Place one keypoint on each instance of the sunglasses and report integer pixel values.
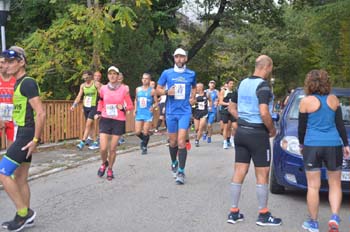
(11, 54)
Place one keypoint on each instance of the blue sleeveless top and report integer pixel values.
(321, 129)
(144, 101)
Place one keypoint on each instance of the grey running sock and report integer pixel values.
(141, 136)
(145, 140)
(182, 158)
(235, 194)
(262, 194)
(173, 153)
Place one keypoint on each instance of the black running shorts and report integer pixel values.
(23, 137)
(252, 143)
(314, 156)
(111, 126)
(89, 112)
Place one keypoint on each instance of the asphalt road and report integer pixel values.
(144, 197)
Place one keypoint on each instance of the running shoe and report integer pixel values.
(228, 144)
(209, 139)
(101, 171)
(89, 142)
(180, 178)
(232, 141)
(18, 223)
(196, 142)
(174, 169)
(121, 140)
(225, 146)
(188, 145)
(81, 145)
(110, 175)
(204, 136)
(266, 219)
(144, 151)
(311, 225)
(94, 146)
(6, 224)
(333, 223)
(235, 217)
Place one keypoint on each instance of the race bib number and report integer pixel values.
(6, 111)
(143, 102)
(112, 110)
(180, 91)
(87, 101)
(201, 105)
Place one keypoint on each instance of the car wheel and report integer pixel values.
(275, 188)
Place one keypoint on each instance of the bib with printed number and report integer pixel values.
(112, 110)
(180, 91)
(6, 110)
(143, 102)
(201, 105)
(87, 101)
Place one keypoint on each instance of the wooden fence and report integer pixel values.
(64, 124)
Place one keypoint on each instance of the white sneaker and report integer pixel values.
(225, 146)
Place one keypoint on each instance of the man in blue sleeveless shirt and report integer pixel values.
(214, 96)
(181, 92)
(252, 106)
(145, 102)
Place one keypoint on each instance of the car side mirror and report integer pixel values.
(275, 117)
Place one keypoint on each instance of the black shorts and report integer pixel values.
(198, 114)
(252, 143)
(23, 137)
(225, 117)
(332, 157)
(89, 112)
(111, 126)
(162, 108)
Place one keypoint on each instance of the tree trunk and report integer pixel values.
(216, 23)
(88, 3)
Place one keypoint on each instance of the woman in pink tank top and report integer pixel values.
(113, 103)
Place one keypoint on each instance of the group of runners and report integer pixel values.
(245, 113)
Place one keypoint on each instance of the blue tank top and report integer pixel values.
(213, 94)
(321, 129)
(144, 101)
(248, 102)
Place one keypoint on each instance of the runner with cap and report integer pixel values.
(145, 102)
(7, 84)
(112, 106)
(89, 89)
(29, 116)
(181, 84)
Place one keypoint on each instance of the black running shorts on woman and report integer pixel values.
(112, 126)
(252, 143)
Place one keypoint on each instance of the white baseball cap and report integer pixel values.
(113, 68)
(180, 51)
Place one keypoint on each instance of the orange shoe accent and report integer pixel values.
(264, 210)
(234, 210)
(188, 146)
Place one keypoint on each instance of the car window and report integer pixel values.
(345, 108)
(294, 109)
(344, 104)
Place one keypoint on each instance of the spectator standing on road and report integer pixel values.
(323, 139)
(181, 84)
(7, 84)
(200, 114)
(213, 94)
(252, 105)
(113, 104)
(89, 89)
(145, 102)
(29, 116)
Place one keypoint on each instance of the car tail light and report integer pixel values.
(291, 144)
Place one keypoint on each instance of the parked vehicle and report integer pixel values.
(287, 169)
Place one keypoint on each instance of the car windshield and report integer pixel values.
(344, 104)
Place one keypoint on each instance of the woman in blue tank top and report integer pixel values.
(323, 139)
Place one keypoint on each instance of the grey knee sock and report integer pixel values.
(235, 194)
(262, 195)
(182, 158)
(173, 153)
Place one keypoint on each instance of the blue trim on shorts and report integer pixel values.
(7, 166)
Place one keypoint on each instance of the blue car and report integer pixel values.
(287, 169)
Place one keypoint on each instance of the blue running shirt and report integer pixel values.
(183, 82)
